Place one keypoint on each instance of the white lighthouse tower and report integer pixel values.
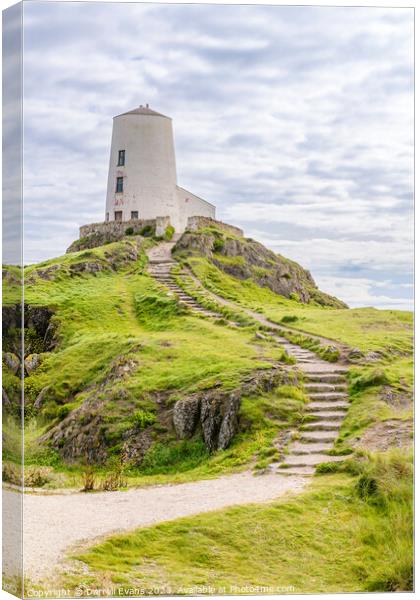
(142, 182)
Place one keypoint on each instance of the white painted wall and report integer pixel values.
(191, 205)
(149, 173)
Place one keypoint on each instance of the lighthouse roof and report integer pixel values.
(143, 110)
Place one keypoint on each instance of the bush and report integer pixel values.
(289, 319)
(294, 296)
(218, 245)
(143, 418)
(88, 479)
(115, 479)
(147, 231)
(129, 231)
(169, 233)
(37, 476)
(64, 410)
(12, 473)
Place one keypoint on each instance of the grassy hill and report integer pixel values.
(110, 353)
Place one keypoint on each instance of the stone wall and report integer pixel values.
(195, 223)
(117, 228)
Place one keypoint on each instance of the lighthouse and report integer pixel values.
(142, 180)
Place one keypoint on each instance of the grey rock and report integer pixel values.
(11, 361)
(32, 362)
(230, 422)
(135, 446)
(260, 336)
(211, 420)
(373, 356)
(186, 416)
(355, 354)
(41, 397)
(89, 266)
(5, 398)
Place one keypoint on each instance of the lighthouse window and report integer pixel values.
(118, 215)
(119, 186)
(121, 158)
(134, 214)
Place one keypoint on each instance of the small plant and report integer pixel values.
(289, 319)
(12, 474)
(129, 231)
(115, 479)
(218, 245)
(169, 233)
(143, 418)
(37, 476)
(147, 231)
(88, 478)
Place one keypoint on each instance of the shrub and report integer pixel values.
(88, 479)
(218, 245)
(294, 296)
(64, 410)
(169, 233)
(147, 231)
(289, 319)
(115, 479)
(12, 473)
(129, 231)
(143, 418)
(37, 476)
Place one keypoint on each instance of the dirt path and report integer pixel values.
(54, 524)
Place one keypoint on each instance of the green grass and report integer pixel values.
(104, 317)
(370, 329)
(345, 533)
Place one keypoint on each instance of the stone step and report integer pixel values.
(320, 396)
(321, 426)
(296, 471)
(317, 436)
(331, 377)
(337, 405)
(325, 387)
(328, 415)
(310, 447)
(309, 460)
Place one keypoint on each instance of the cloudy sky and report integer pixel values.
(295, 121)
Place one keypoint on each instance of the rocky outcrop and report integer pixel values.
(247, 259)
(40, 329)
(32, 362)
(12, 362)
(216, 412)
(41, 398)
(186, 416)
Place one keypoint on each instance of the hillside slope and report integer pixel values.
(110, 352)
(136, 376)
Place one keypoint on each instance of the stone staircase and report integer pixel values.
(327, 391)
(161, 271)
(325, 383)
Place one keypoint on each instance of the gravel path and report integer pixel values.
(54, 524)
